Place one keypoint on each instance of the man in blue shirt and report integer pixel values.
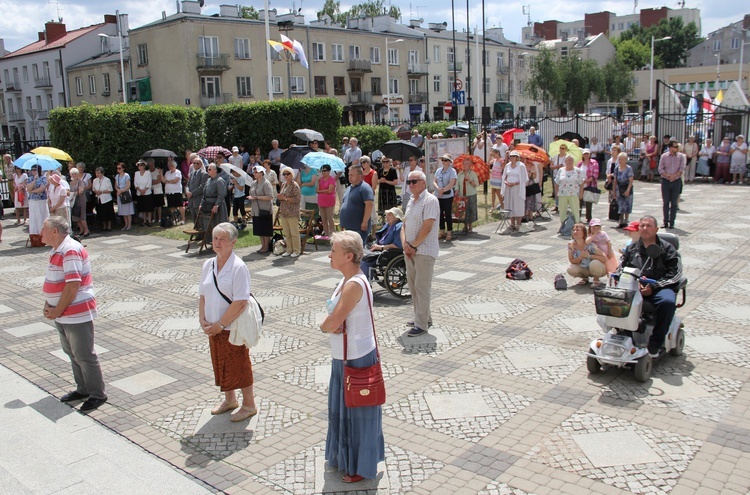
(356, 207)
(535, 138)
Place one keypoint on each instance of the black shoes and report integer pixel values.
(416, 332)
(411, 324)
(92, 404)
(71, 396)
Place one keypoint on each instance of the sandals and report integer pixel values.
(352, 478)
(584, 281)
(224, 407)
(448, 236)
(244, 413)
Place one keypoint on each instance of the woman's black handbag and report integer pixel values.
(614, 210)
(533, 189)
(126, 198)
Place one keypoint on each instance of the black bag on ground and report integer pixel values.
(518, 270)
(560, 282)
(614, 210)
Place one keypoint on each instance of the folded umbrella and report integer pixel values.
(477, 165)
(532, 153)
(159, 153)
(309, 135)
(55, 153)
(292, 157)
(575, 151)
(400, 150)
(317, 159)
(28, 160)
(211, 152)
(570, 136)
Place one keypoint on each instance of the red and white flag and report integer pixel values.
(708, 106)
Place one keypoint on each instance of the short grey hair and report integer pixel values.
(73, 171)
(81, 166)
(100, 170)
(621, 155)
(365, 159)
(212, 166)
(350, 242)
(228, 229)
(569, 158)
(357, 169)
(59, 223)
(419, 174)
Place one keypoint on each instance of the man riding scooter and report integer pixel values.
(665, 270)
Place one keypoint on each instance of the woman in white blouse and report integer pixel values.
(143, 184)
(105, 206)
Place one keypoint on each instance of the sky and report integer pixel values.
(22, 19)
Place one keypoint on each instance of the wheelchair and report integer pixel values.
(389, 272)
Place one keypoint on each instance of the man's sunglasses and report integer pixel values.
(412, 181)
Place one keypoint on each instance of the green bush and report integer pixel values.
(370, 137)
(104, 135)
(259, 123)
(433, 127)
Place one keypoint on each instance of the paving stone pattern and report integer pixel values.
(495, 400)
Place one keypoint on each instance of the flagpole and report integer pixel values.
(269, 63)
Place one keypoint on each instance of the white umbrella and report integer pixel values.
(229, 168)
(309, 135)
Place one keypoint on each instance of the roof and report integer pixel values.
(42, 45)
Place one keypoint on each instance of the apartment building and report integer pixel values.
(723, 46)
(34, 76)
(98, 80)
(597, 48)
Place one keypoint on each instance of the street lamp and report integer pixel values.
(742, 53)
(651, 85)
(515, 83)
(122, 63)
(388, 78)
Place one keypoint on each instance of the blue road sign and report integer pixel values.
(459, 97)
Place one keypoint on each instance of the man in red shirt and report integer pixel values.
(69, 301)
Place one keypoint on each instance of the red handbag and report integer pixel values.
(364, 387)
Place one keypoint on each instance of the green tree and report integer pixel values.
(633, 54)
(581, 79)
(371, 8)
(668, 53)
(249, 13)
(332, 9)
(617, 82)
(545, 81)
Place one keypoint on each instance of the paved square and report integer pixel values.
(457, 406)
(455, 276)
(143, 382)
(30, 329)
(615, 448)
(60, 354)
(714, 344)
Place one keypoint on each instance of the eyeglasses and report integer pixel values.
(286, 173)
(412, 181)
(119, 168)
(675, 147)
(444, 160)
(325, 170)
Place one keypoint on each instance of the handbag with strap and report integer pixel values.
(364, 387)
(591, 194)
(248, 320)
(533, 189)
(126, 197)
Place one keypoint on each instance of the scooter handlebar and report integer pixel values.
(648, 280)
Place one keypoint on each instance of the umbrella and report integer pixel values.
(28, 160)
(52, 152)
(211, 152)
(575, 151)
(508, 135)
(317, 159)
(292, 157)
(308, 135)
(229, 168)
(400, 150)
(570, 136)
(532, 153)
(477, 165)
(159, 153)
(458, 129)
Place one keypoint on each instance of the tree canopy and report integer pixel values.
(369, 8)
(635, 43)
(249, 13)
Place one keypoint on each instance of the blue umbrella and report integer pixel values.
(28, 160)
(317, 159)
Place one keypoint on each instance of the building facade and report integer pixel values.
(723, 46)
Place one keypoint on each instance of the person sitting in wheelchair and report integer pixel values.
(387, 242)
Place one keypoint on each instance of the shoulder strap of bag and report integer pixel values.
(372, 319)
(216, 284)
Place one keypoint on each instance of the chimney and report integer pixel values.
(229, 11)
(110, 19)
(41, 35)
(416, 22)
(191, 7)
(54, 31)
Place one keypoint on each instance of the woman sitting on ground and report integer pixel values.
(586, 259)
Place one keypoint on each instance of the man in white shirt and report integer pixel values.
(630, 144)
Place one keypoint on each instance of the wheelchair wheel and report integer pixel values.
(394, 278)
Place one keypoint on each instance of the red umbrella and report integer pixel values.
(532, 153)
(211, 152)
(477, 165)
(508, 135)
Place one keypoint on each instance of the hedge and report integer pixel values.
(369, 137)
(104, 135)
(258, 123)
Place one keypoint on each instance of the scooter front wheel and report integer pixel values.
(679, 343)
(643, 368)
(593, 365)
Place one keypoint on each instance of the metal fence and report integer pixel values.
(18, 147)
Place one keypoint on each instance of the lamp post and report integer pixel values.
(122, 62)
(514, 100)
(742, 53)
(651, 70)
(388, 79)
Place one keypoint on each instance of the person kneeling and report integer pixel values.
(586, 259)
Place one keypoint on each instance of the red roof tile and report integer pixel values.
(40, 46)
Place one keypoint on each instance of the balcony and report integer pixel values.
(218, 62)
(417, 97)
(13, 85)
(358, 65)
(503, 69)
(502, 97)
(455, 66)
(223, 98)
(15, 117)
(42, 82)
(417, 69)
(360, 98)
(42, 115)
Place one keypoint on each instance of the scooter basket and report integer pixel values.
(611, 301)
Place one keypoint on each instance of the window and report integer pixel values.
(35, 71)
(106, 84)
(319, 52)
(486, 57)
(393, 56)
(486, 85)
(320, 85)
(50, 102)
(413, 57)
(92, 85)
(375, 86)
(436, 84)
(564, 51)
(275, 56)
(338, 85)
(28, 103)
(355, 84)
(58, 68)
(298, 84)
(375, 54)
(210, 86)
(244, 87)
(717, 46)
(353, 52)
(39, 102)
(337, 52)
(208, 46)
(735, 43)
(621, 26)
(79, 86)
(613, 26)
(500, 59)
(413, 86)
(436, 54)
(25, 74)
(2, 107)
(142, 54)
(394, 86)
(10, 105)
(6, 76)
(451, 81)
(276, 84)
(242, 48)
(45, 69)
(61, 99)
(451, 56)
(511, 88)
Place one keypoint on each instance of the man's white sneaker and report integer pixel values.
(285, 254)
(295, 255)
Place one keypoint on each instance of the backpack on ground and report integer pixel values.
(560, 282)
(566, 229)
(518, 270)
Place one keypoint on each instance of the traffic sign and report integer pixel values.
(458, 85)
(459, 97)
(448, 107)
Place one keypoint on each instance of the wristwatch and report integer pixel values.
(221, 326)
(412, 246)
